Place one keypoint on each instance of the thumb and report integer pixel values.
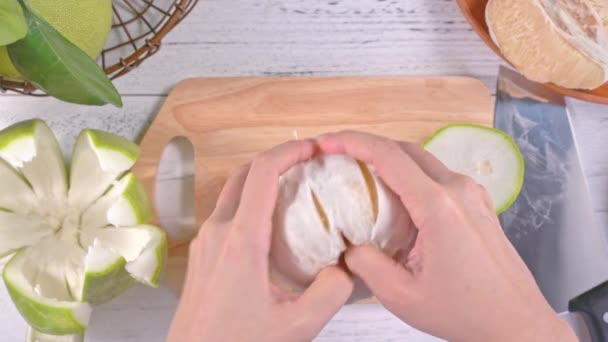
(323, 298)
(385, 277)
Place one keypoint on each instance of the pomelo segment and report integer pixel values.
(125, 204)
(311, 244)
(99, 158)
(580, 25)
(487, 155)
(31, 148)
(36, 336)
(534, 44)
(45, 314)
(342, 192)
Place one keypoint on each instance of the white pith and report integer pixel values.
(47, 219)
(112, 208)
(94, 170)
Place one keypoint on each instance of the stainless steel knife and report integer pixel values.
(552, 223)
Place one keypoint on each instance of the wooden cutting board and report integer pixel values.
(230, 120)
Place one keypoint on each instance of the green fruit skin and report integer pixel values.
(46, 319)
(101, 287)
(138, 198)
(113, 142)
(161, 256)
(17, 131)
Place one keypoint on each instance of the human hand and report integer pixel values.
(228, 295)
(463, 280)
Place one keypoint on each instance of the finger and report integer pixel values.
(385, 277)
(395, 167)
(261, 187)
(229, 198)
(282, 295)
(487, 199)
(323, 298)
(427, 162)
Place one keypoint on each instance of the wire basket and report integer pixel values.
(137, 31)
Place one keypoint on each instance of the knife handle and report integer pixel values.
(593, 304)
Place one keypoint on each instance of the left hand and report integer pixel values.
(228, 295)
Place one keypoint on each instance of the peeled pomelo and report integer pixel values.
(63, 263)
(487, 155)
(325, 205)
(86, 23)
(562, 42)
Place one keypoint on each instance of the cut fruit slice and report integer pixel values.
(125, 204)
(105, 276)
(31, 147)
(18, 231)
(99, 158)
(36, 336)
(144, 248)
(45, 314)
(487, 155)
(529, 39)
(16, 194)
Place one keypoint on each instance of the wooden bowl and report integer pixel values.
(474, 12)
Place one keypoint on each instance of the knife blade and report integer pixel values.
(552, 223)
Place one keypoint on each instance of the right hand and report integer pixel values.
(463, 280)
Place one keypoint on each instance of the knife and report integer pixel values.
(551, 224)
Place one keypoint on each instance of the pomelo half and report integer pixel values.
(557, 41)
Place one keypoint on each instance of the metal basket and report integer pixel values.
(138, 29)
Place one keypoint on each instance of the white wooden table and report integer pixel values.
(288, 37)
